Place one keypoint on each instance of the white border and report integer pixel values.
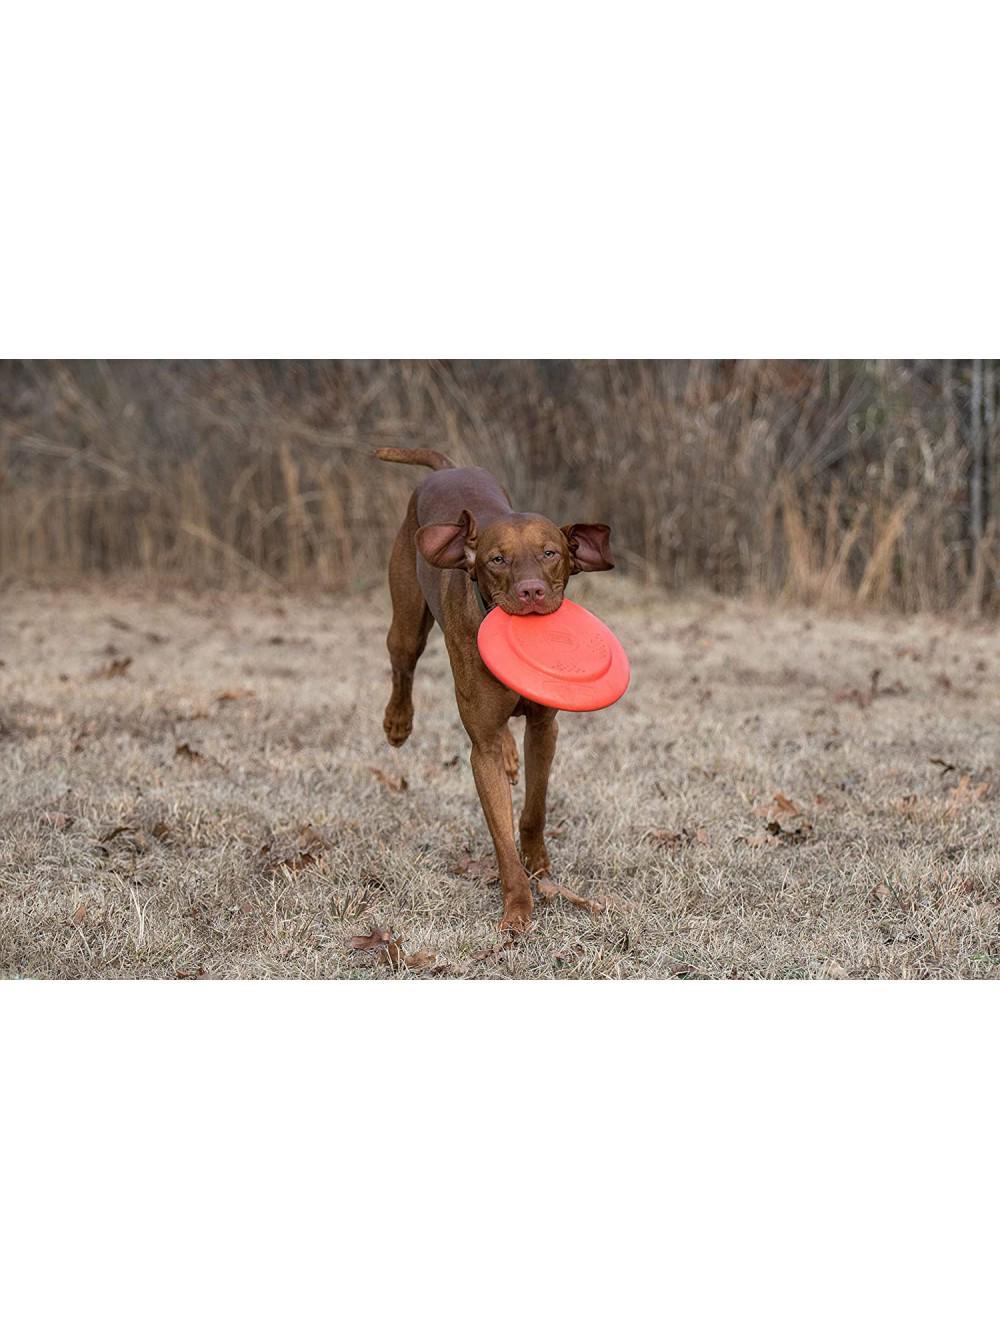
(260, 1159)
(548, 179)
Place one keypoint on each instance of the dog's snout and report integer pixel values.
(530, 592)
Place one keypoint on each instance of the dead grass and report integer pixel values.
(847, 481)
(199, 787)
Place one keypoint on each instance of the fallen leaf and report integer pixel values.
(370, 941)
(778, 804)
(686, 837)
(569, 953)
(684, 970)
(445, 970)
(57, 820)
(184, 750)
(762, 840)
(112, 833)
(79, 914)
(308, 846)
(882, 893)
(484, 867)
(235, 695)
(382, 943)
(490, 952)
(783, 805)
(967, 793)
(420, 959)
(114, 669)
(391, 783)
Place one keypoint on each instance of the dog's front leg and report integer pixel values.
(539, 749)
(494, 796)
(485, 707)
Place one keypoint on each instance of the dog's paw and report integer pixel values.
(397, 724)
(534, 856)
(516, 918)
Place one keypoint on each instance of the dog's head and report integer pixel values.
(521, 563)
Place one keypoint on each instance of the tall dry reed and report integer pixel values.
(871, 482)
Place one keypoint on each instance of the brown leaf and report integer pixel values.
(686, 837)
(234, 695)
(763, 840)
(114, 669)
(569, 953)
(882, 893)
(309, 845)
(79, 914)
(420, 959)
(778, 804)
(684, 970)
(783, 805)
(967, 793)
(382, 943)
(445, 970)
(184, 750)
(57, 820)
(484, 867)
(490, 952)
(161, 831)
(112, 833)
(392, 783)
(372, 940)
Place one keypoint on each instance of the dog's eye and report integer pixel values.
(497, 559)
(549, 553)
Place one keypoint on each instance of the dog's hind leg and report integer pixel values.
(411, 623)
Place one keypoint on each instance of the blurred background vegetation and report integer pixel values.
(868, 482)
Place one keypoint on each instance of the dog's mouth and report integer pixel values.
(518, 609)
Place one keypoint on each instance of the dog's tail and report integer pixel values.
(415, 456)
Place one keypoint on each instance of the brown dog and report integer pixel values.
(460, 526)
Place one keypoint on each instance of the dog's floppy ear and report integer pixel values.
(589, 547)
(446, 546)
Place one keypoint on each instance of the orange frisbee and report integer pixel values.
(568, 659)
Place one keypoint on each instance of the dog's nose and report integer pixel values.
(531, 591)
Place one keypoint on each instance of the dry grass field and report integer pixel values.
(198, 787)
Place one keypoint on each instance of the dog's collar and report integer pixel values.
(483, 607)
